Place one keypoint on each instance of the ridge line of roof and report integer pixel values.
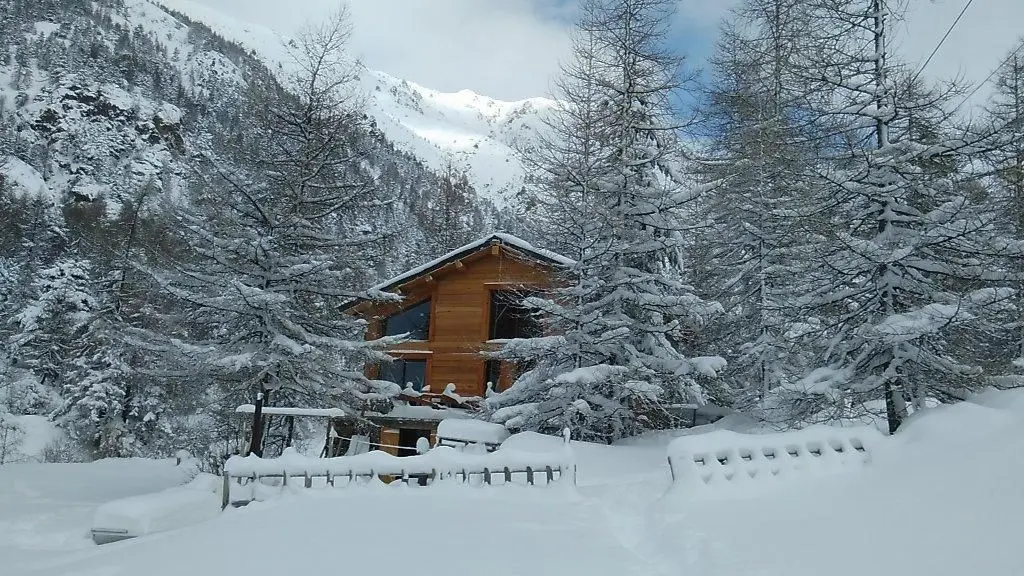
(503, 237)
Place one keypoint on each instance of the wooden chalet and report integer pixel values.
(453, 307)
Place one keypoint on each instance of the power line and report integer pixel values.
(990, 75)
(943, 40)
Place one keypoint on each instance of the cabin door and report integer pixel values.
(407, 438)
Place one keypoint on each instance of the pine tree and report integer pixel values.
(611, 195)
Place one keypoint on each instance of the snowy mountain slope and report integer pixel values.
(477, 133)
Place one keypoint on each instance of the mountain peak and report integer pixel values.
(478, 133)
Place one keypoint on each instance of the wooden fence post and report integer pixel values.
(529, 475)
(225, 497)
(309, 481)
(551, 474)
(487, 476)
(508, 475)
(671, 469)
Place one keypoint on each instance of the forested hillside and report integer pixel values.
(125, 133)
(813, 231)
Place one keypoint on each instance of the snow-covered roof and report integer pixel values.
(426, 413)
(504, 239)
(286, 411)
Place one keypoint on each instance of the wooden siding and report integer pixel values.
(460, 316)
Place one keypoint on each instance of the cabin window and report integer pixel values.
(413, 321)
(509, 318)
(405, 372)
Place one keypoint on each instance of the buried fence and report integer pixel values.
(725, 458)
(440, 463)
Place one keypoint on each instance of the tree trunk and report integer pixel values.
(256, 436)
(894, 407)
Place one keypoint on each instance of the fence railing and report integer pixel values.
(725, 458)
(440, 463)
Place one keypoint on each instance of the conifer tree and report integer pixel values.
(610, 194)
(911, 277)
(280, 248)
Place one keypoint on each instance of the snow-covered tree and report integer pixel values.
(1005, 114)
(760, 224)
(610, 193)
(280, 248)
(450, 218)
(910, 279)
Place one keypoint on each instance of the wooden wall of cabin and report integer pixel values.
(460, 318)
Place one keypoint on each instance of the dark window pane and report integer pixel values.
(404, 372)
(415, 372)
(415, 321)
(392, 371)
(509, 319)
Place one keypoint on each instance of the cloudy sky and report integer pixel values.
(510, 48)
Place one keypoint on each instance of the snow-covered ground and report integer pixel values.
(944, 496)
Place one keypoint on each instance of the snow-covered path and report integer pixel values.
(441, 530)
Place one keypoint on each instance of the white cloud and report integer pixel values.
(506, 49)
(510, 48)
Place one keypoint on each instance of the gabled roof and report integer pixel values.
(500, 238)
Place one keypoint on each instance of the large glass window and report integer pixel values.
(415, 321)
(405, 372)
(509, 318)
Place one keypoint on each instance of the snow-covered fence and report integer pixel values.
(439, 463)
(729, 458)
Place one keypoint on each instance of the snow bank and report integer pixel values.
(466, 430)
(178, 507)
(442, 460)
(26, 180)
(32, 435)
(942, 497)
(725, 458)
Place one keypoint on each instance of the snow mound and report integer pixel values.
(177, 507)
(467, 430)
(28, 438)
(25, 180)
(724, 458)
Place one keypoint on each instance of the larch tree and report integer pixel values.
(609, 193)
(760, 225)
(280, 249)
(912, 278)
(1005, 114)
(450, 217)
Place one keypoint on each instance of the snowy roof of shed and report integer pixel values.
(500, 238)
(288, 411)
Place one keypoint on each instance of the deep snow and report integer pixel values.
(942, 497)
